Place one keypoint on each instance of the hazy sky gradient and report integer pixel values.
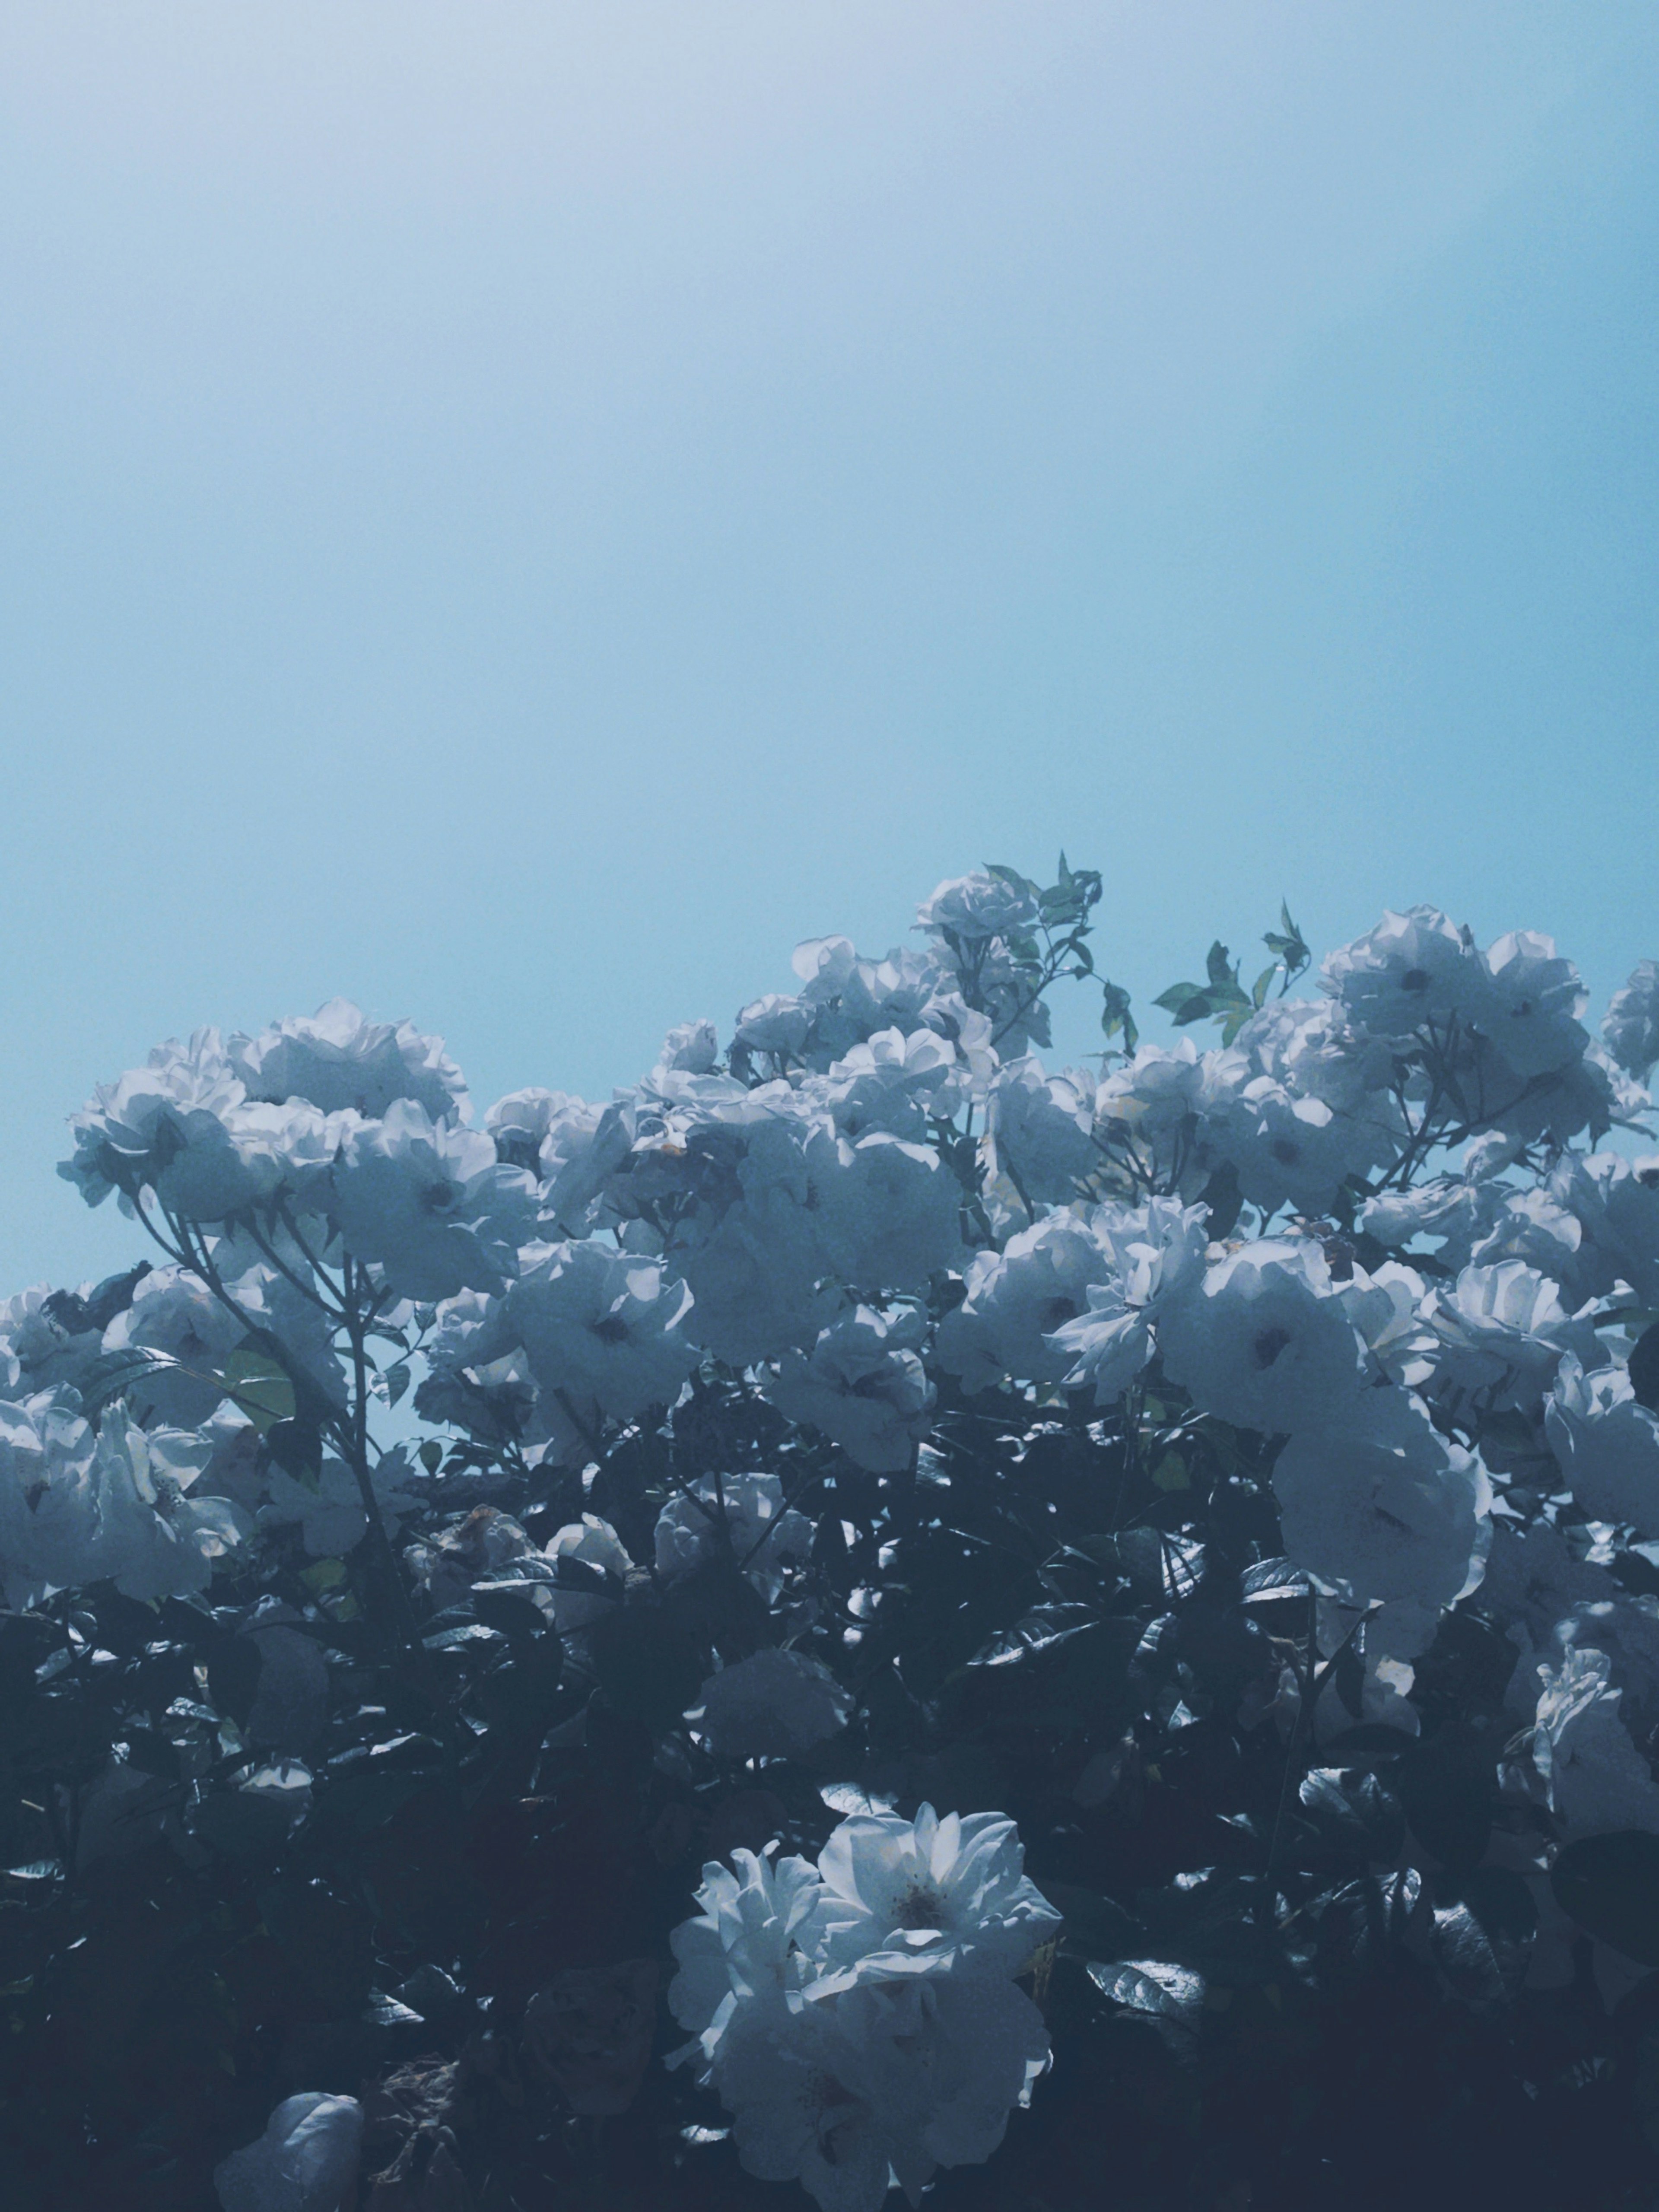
(517, 513)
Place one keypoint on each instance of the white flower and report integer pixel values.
(1298, 1150)
(976, 907)
(1386, 1307)
(1630, 1028)
(1534, 1000)
(1014, 1300)
(774, 1024)
(755, 1275)
(956, 1885)
(43, 1344)
(1038, 1132)
(881, 2084)
(894, 1082)
(162, 1128)
(1384, 1506)
(1157, 1252)
(1503, 1330)
(890, 1211)
(330, 1518)
(1532, 1226)
(753, 1942)
(340, 1059)
(1607, 1444)
(430, 1203)
(602, 1325)
(693, 1046)
(306, 2161)
(78, 1507)
(1411, 970)
(858, 2019)
(863, 1384)
(1261, 1340)
(775, 1705)
(596, 1544)
(175, 1313)
(1597, 1780)
(1616, 1203)
(1305, 1045)
(760, 1529)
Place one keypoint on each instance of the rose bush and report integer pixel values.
(1086, 1636)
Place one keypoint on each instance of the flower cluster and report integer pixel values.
(860, 2017)
(1238, 1454)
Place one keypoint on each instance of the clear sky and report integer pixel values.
(518, 511)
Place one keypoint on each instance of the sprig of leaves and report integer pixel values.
(1222, 997)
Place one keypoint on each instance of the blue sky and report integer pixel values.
(517, 513)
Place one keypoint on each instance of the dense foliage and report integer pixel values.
(862, 1613)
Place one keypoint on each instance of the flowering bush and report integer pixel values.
(1137, 1588)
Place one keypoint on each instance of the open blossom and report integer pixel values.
(430, 1203)
(602, 1325)
(957, 1883)
(882, 2084)
(1607, 1443)
(860, 2019)
(894, 1082)
(1038, 1133)
(175, 1313)
(1157, 1253)
(1381, 1505)
(1503, 1331)
(976, 907)
(1261, 1340)
(864, 1384)
(1013, 1300)
(339, 1058)
(753, 1942)
(1413, 972)
(78, 1505)
(163, 1128)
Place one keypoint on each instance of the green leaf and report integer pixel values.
(1610, 1885)
(1012, 878)
(259, 1387)
(397, 1381)
(1115, 1016)
(1223, 973)
(1179, 995)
